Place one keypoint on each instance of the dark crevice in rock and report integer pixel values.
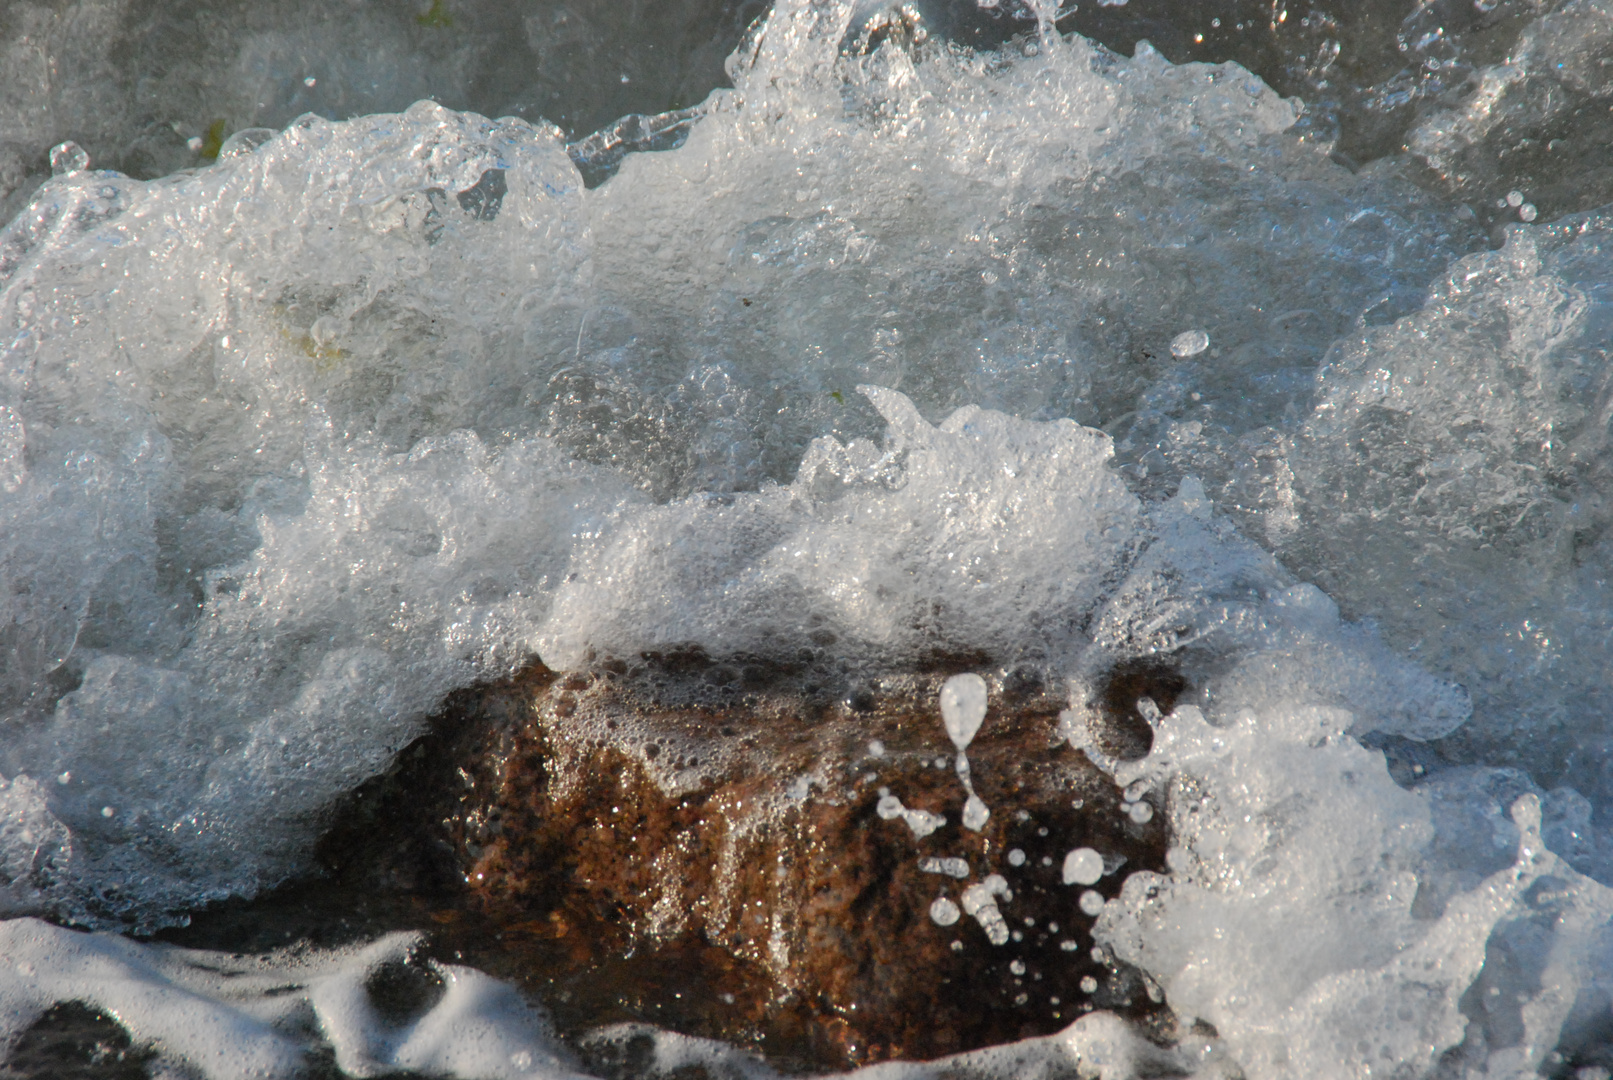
(1122, 731)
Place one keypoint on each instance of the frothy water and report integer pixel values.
(1045, 357)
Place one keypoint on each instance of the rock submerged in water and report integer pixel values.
(725, 850)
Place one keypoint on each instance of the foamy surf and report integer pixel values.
(293, 446)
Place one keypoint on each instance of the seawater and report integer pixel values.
(1039, 352)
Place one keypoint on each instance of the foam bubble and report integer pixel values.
(1082, 866)
(921, 822)
(950, 866)
(975, 813)
(980, 902)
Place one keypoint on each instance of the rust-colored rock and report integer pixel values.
(702, 846)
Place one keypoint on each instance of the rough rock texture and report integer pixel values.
(717, 848)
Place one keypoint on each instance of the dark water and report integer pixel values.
(148, 86)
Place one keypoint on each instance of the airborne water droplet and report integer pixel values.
(68, 157)
(1083, 866)
(963, 707)
(975, 813)
(1189, 343)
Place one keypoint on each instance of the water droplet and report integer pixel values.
(943, 912)
(975, 813)
(1190, 343)
(1016, 857)
(107, 811)
(951, 867)
(1142, 813)
(1089, 985)
(1083, 866)
(963, 707)
(1514, 199)
(68, 157)
(1091, 902)
(1527, 212)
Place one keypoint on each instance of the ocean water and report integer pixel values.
(938, 329)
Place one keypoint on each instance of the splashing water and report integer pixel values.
(294, 445)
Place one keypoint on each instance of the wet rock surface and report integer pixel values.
(727, 850)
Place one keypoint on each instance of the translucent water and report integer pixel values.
(1047, 356)
(147, 88)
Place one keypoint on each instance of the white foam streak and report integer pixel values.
(235, 1018)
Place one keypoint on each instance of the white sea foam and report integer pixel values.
(235, 1018)
(1288, 831)
(296, 443)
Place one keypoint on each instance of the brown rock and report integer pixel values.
(701, 845)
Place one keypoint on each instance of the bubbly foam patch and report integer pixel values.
(1465, 483)
(984, 532)
(1286, 830)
